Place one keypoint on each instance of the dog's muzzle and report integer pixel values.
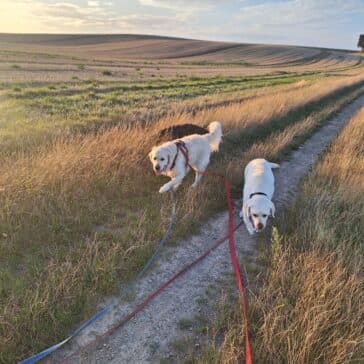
(158, 170)
(260, 226)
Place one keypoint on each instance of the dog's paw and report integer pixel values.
(194, 185)
(163, 189)
(241, 214)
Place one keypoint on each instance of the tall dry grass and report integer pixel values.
(311, 302)
(77, 219)
(308, 307)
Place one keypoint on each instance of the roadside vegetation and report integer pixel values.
(307, 302)
(84, 213)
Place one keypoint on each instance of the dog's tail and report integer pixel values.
(273, 165)
(214, 136)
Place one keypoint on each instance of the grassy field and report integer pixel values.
(34, 115)
(79, 208)
(307, 304)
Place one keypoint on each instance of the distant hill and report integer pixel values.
(131, 46)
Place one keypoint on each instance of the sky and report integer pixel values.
(322, 23)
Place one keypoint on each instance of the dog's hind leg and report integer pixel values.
(199, 171)
(198, 176)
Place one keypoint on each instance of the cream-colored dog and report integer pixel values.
(257, 194)
(169, 158)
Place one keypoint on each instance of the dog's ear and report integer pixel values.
(150, 154)
(246, 210)
(273, 210)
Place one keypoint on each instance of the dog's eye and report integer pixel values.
(264, 215)
(155, 158)
(162, 159)
(255, 215)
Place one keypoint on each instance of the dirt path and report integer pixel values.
(147, 335)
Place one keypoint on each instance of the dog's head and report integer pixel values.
(257, 210)
(161, 157)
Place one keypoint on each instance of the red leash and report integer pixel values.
(149, 298)
(234, 262)
(166, 284)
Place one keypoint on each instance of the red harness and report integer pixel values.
(181, 146)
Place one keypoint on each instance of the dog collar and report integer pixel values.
(258, 193)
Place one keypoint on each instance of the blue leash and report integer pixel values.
(35, 358)
(44, 353)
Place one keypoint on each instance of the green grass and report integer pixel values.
(46, 112)
(185, 324)
(8, 53)
(190, 87)
(222, 64)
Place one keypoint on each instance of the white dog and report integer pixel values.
(257, 194)
(173, 158)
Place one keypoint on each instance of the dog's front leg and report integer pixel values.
(173, 183)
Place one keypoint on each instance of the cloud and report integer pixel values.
(148, 22)
(307, 22)
(185, 5)
(73, 16)
(93, 3)
(16, 16)
(98, 16)
(95, 16)
(298, 12)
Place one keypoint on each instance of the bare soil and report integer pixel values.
(55, 58)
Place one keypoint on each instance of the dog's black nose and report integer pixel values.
(157, 167)
(260, 226)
